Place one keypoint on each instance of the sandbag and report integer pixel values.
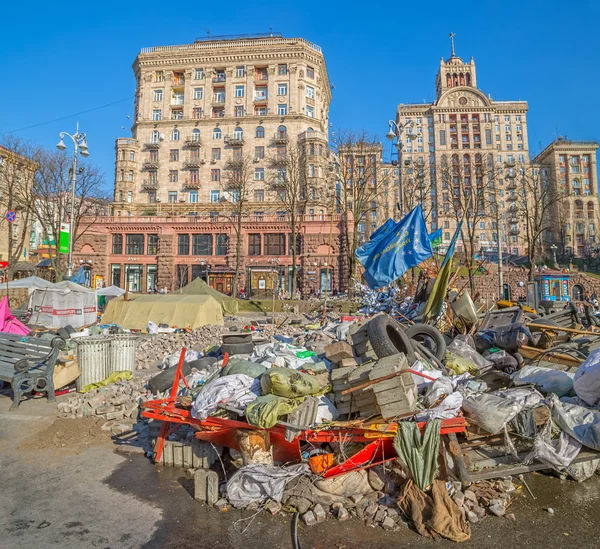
(267, 409)
(355, 483)
(490, 412)
(237, 390)
(246, 367)
(547, 380)
(587, 379)
(288, 383)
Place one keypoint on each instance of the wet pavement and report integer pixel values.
(100, 499)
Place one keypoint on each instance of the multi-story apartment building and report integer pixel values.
(571, 170)
(464, 142)
(199, 106)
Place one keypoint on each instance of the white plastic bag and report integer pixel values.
(547, 380)
(587, 379)
(152, 328)
(490, 412)
(462, 346)
(326, 411)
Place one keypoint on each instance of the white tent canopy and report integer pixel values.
(31, 283)
(110, 291)
(55, 307)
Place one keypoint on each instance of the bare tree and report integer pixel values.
(238, 185)
(417, 182)
(17, 172)
(361, 189)
(51, 203)
(287, 181)
(537, 196)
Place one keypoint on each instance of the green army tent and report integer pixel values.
(199, 287)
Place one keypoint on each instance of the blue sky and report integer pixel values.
(63, 58)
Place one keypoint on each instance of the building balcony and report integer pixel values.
(233, 140)
(150, 165)
(126, 142)
(218, 101)
(260, 98)
(152, 145)
(512, 198)
(191, 183)
(514, 232)
(193, 163)
(261, 76)
(280, 139)
(218, 114)
(312, 135)
(193, 142)
(513, 219)
(150, 184)
(219, 78)
(177, 82)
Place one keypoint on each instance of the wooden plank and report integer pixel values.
(562, 329)
(561, 359)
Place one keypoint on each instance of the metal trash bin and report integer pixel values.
(123, 349)
(93, 356)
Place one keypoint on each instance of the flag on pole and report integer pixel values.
(436, 238)
(365, 250)
(405, 246)
(436, 299)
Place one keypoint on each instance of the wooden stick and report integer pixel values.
(561, 329)
(385, 378)
(555, 357)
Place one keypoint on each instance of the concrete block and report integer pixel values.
(206, 486)
(203, 454)
(319, 512)
(309, 518)
(117, 414)
(105, 409)
(177, 454)
(359, 337)
(187, 455)
(388, 523)
(341, 374)
(338, 351)
(273, 507)
(380, 515)
(348, 363)
(363, 347)
(360, 375)
(368, 356)
(371, 509)
(340, 512)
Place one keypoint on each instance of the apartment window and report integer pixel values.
(310, 92)
(172, 197)
(215, 175)
(282, 89)
(158, 95)
(152, 244)
(215, 197)
(254, 241)
(260, 111)
(215, 154)
(275, 244)
(130, 176)
(134, 244)
(193, 197)
(198, 93)
(238, 153)
(238, 133)
(311, 170)
(132, 156)
(310, 111)
(507, 119)
(175, 135)
(117, 244)
(238, 111)
(259, 153)
(156, 114)
(442, 137)
(176, 114)
(174, 155)
(281, 109)
(282, 70)
(310, 72)
(221, 244)
(260, 132)
(216, 134)
(197, 113)
(239, 92)
(202, 244)
(219, 96)
(183, 244)
(240, 71)
(259, 174)
(199, 74)
(122, 175)
(259, 196)
(173, 176)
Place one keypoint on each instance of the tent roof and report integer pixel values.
(199, 287)
(31, 282)
(68, 285)
(110, 290)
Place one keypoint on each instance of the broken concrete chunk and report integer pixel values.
(309, 518)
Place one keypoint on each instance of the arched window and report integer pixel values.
(238, 133)
(477, 158)
(196, 135)
(462, 79)
(260, 132)
(309, 130)
(466, 159)
(175, 135)
(448, 80)
(282, 131)
(217, 133)
(455, 79)
(468, 79)
(490, 160)
(155, 136)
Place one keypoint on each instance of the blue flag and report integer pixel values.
(404, 247)
(436, 238)
(365, 250)
(452, 245)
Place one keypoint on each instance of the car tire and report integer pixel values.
(237, 348)
(388, 338)
(163, 381)
(237, 338)
(429, 337)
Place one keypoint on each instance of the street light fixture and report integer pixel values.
(395, 132)
(79, 146)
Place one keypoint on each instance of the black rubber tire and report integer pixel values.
(428, 355)
(70, 329)
(430, 337)
(237, 348)
(388, 338)
(62, 332)
(163, 381)
(237, 338)
(202, 363)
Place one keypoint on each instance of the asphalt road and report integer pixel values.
(100, 499)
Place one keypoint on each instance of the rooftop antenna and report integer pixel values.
(452, 35)
(271, 29)
(207, 32)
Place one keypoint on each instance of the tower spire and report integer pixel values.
(452, 35)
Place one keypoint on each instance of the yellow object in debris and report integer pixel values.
(314, 326)
(112, 378)
(505, 304)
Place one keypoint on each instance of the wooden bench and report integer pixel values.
(27, 363)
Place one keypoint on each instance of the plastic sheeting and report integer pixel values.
(237, 390)
(587, 379)
(547, 380)
(56, 308)
(579, 422)
(258, 482)
(490, 412)
(448, 408)
(557, 453)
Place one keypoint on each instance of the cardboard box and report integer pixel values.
(65, 373)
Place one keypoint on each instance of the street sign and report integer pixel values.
(3, 264)
(10, 216)
(63, 241)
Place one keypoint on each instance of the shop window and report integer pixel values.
(202, 244)
(117, 244)
(134, 244)
(222, 244)
(183, 244)
(254, 242)
(152, 244)
(275, 244)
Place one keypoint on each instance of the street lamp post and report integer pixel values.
(79, 146)
(395, 132)
(553, 248)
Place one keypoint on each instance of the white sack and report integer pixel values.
(579, 422)
(587, 379)
(447, 409)
(547, 380)
(490, 412)
(326, 411)
(237, 389)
